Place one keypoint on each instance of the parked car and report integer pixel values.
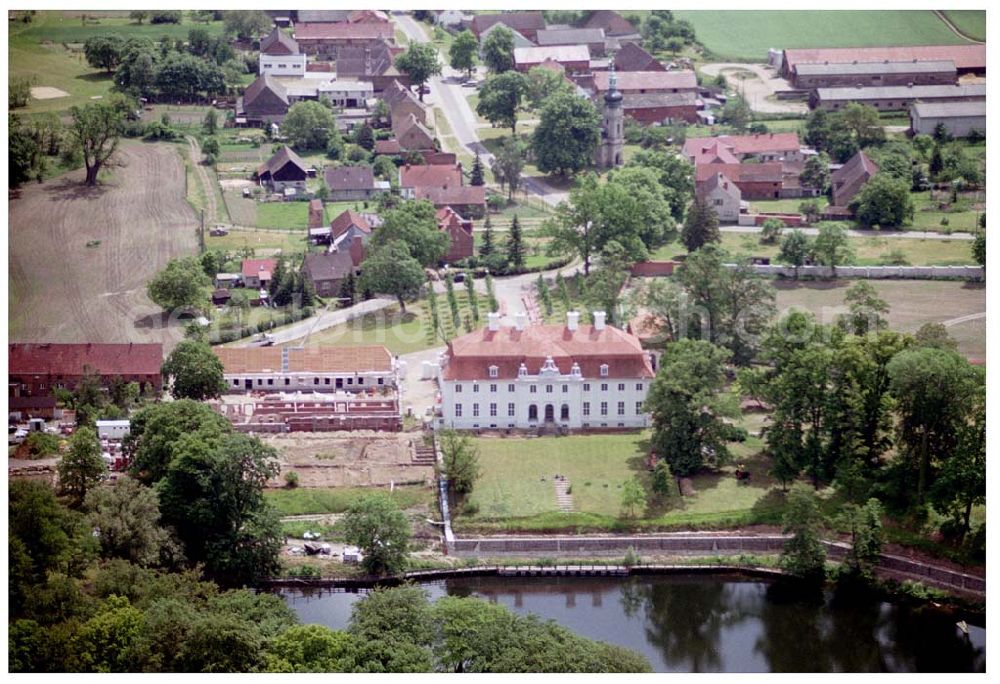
(19, 436)
(219, 231)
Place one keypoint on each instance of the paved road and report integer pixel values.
(757, 90)
(954, 29)
(325, 320)
(446, 91)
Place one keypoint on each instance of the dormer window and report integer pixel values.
(494, 371)
(604, 370)
(575, 370)
(522, 371)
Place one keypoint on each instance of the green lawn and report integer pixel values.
(970, 22)
(263, 241)
(515, 489)
(747, 35)
(303, 501)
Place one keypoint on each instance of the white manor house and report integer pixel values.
(530, 377)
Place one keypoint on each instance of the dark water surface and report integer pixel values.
(714, 624)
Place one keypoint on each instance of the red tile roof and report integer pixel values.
(470, 356)
(964, 56)
(390, 146)
(457, 195)
(345, 220)
(305, 360)
(647, 80)
(344, 30)
(70, 359)
(613, 23)
(769, 172)
(746, 144)
(430, 175)
(254, 267)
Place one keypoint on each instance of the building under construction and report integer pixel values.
(315, 412)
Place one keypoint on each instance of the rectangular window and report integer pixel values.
(604, 370)
(548, 389)
(287, 382)
(259, 382)
(236, 383)
(565, 389)
(604, 408)
(361, 381)
(638, 408)
(493, 388)
(475, 410)
(621, 408)
(326, 381)
(475, 389)
(534, 389)
(586, 387)
(621, 386)
(639, 386)
(458, 389)
(493, 410)
(381, 381)
(510, 410)
(586, 408)
(604, 387)
(270, 381)
(494, 371)
(350, 381)
(510, 388)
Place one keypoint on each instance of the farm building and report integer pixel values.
(528, 24)
(113, 429)
(593, 38)
(847, 181)
(37, 369)
(722, 195)
(348, 183)
(575, 59)
(350, 225)
(402, 102)
(263, 100)
(325, 40)
(257, 272)
(459, 230)
(968, 59)
(631, 57)
(468, 200)
(280, 56)
(545, 376)
(854, 74)
(653, 108)
(755, 181)
(614, 25)
(763, 147)
(316, 369)
(284, 169)
(959, 118)
(413, 135)
(519, 40)
(328, 271)
(372, 63)
(895, 98)
(642, 82)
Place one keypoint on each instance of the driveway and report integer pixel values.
(325, 320)
(757, 90)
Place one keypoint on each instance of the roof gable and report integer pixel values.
(280, 159)
(279, 43)
(613, 23)
(349, 178)
(42, 358)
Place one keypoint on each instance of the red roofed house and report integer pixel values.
(762, 147)
(613, 24)
(536, 376)
(326, 40)
(755, 181)
(575, 59)
(413, 135)
(389, 147)
(847, 181)
(441, 184)
(645, 82)
(631, 57)
(36, 369)
(461, 244)
(257, 272)
(968, 58)
(307, 369)
(348, 227)
(722, 195)
(528, 24)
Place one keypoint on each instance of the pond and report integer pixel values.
(687, 623)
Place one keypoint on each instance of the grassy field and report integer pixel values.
(337, 500)
(747, 35)
(49, 50)
(264, 242)
(970, 22)
(516, 491)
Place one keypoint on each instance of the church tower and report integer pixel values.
(609, 153)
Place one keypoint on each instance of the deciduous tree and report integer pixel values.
(196, 371)
(125, 518)
(82, 468)
(391, 269)
(498, 50)
(375, 524)
(804, 555)
(309, 125)
(181, 284)
(567, 134)
(419, 62)
(95, 131)
(701, 226)
(463, 52)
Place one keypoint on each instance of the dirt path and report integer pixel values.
(759, 89)
(61, 290)
(954, 29)
(208, 188)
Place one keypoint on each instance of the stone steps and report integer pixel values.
(563, 498)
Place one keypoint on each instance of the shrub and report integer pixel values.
(40, 445)
(631, 558)
(291, 479)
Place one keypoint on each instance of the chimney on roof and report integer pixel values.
(599, 318)
(494, 321)
(520, 320)
(572, 320)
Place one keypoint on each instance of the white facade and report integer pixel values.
(113, 429)
(282, 65)
(315, 381)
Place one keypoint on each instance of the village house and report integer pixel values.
(306, 369)
(847, 181)
(959, 118)
(325, 40)
(350, 226)
(263, 100)
(372, 63)
(328, 271)
(402, 103)
(756, 181)
(575, 59)
(645, 82)
(257, 272)
(441, 184)
(519, 40)
(37, 369)
(968, 59)
(528, 24)
(631, 57)
(461, 244)
(855, 74)
(283, 170)
(350, 183)
(452, 18)
(895, 98)
(280, 56)
(723, 195)
(389, 147)
(661, 108)
(545, 376)
(762, 147)
(593, 38)
(614, 25)
(220, 296)
(413, 135)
